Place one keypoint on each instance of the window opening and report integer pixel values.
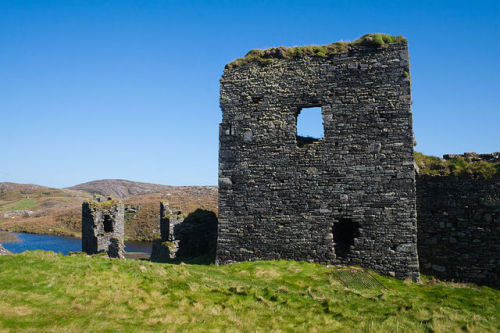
(108, 224)
(344, 233)
(309, 126)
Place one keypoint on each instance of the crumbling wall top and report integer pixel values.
(266, 57)
(101, 202)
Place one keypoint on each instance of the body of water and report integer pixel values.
(29, 242)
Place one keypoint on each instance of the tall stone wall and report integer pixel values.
(459, 228)
(103, 226)
(348, 198)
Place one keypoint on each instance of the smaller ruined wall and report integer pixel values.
(103, 226)
(193, 236)
(459, 228)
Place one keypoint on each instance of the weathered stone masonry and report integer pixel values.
(348, 198)
(103, 226)
(459, 228)
(167, 246)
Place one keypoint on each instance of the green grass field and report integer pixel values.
(20, 205)
(42, 291)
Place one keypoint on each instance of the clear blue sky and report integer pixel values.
(130, 89)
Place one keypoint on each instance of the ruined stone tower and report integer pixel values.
(346, 198)
(103, 226)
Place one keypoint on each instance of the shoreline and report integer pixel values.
(69, 234)
(8, 237)
(61, 234)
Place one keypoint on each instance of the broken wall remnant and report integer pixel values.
(167, 246)
(103, 226)
(346, 198)
(192, 236)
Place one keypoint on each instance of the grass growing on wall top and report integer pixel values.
(108, 203)
(266, 57)
(460, 167)
(378, 40)
(42, 291)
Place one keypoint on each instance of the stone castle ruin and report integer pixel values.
(345, 198)
(350, 197)
(103, 227)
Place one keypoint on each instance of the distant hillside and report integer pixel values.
(44, 210)
(6, 186)
(124, 189)
(31, 197)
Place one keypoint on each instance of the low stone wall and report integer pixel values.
(475, 157)
(459, 228)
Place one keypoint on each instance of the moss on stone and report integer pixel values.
(171, 246)
(174, 216)
(378, 40)
(266, 57)
(107, 204)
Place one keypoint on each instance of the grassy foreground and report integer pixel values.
(43, 291)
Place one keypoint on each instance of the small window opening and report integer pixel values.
(108, 224)
(309, 126)
(344, 233)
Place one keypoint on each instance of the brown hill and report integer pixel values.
(29, 197)
(6, 186)
(121, 188)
